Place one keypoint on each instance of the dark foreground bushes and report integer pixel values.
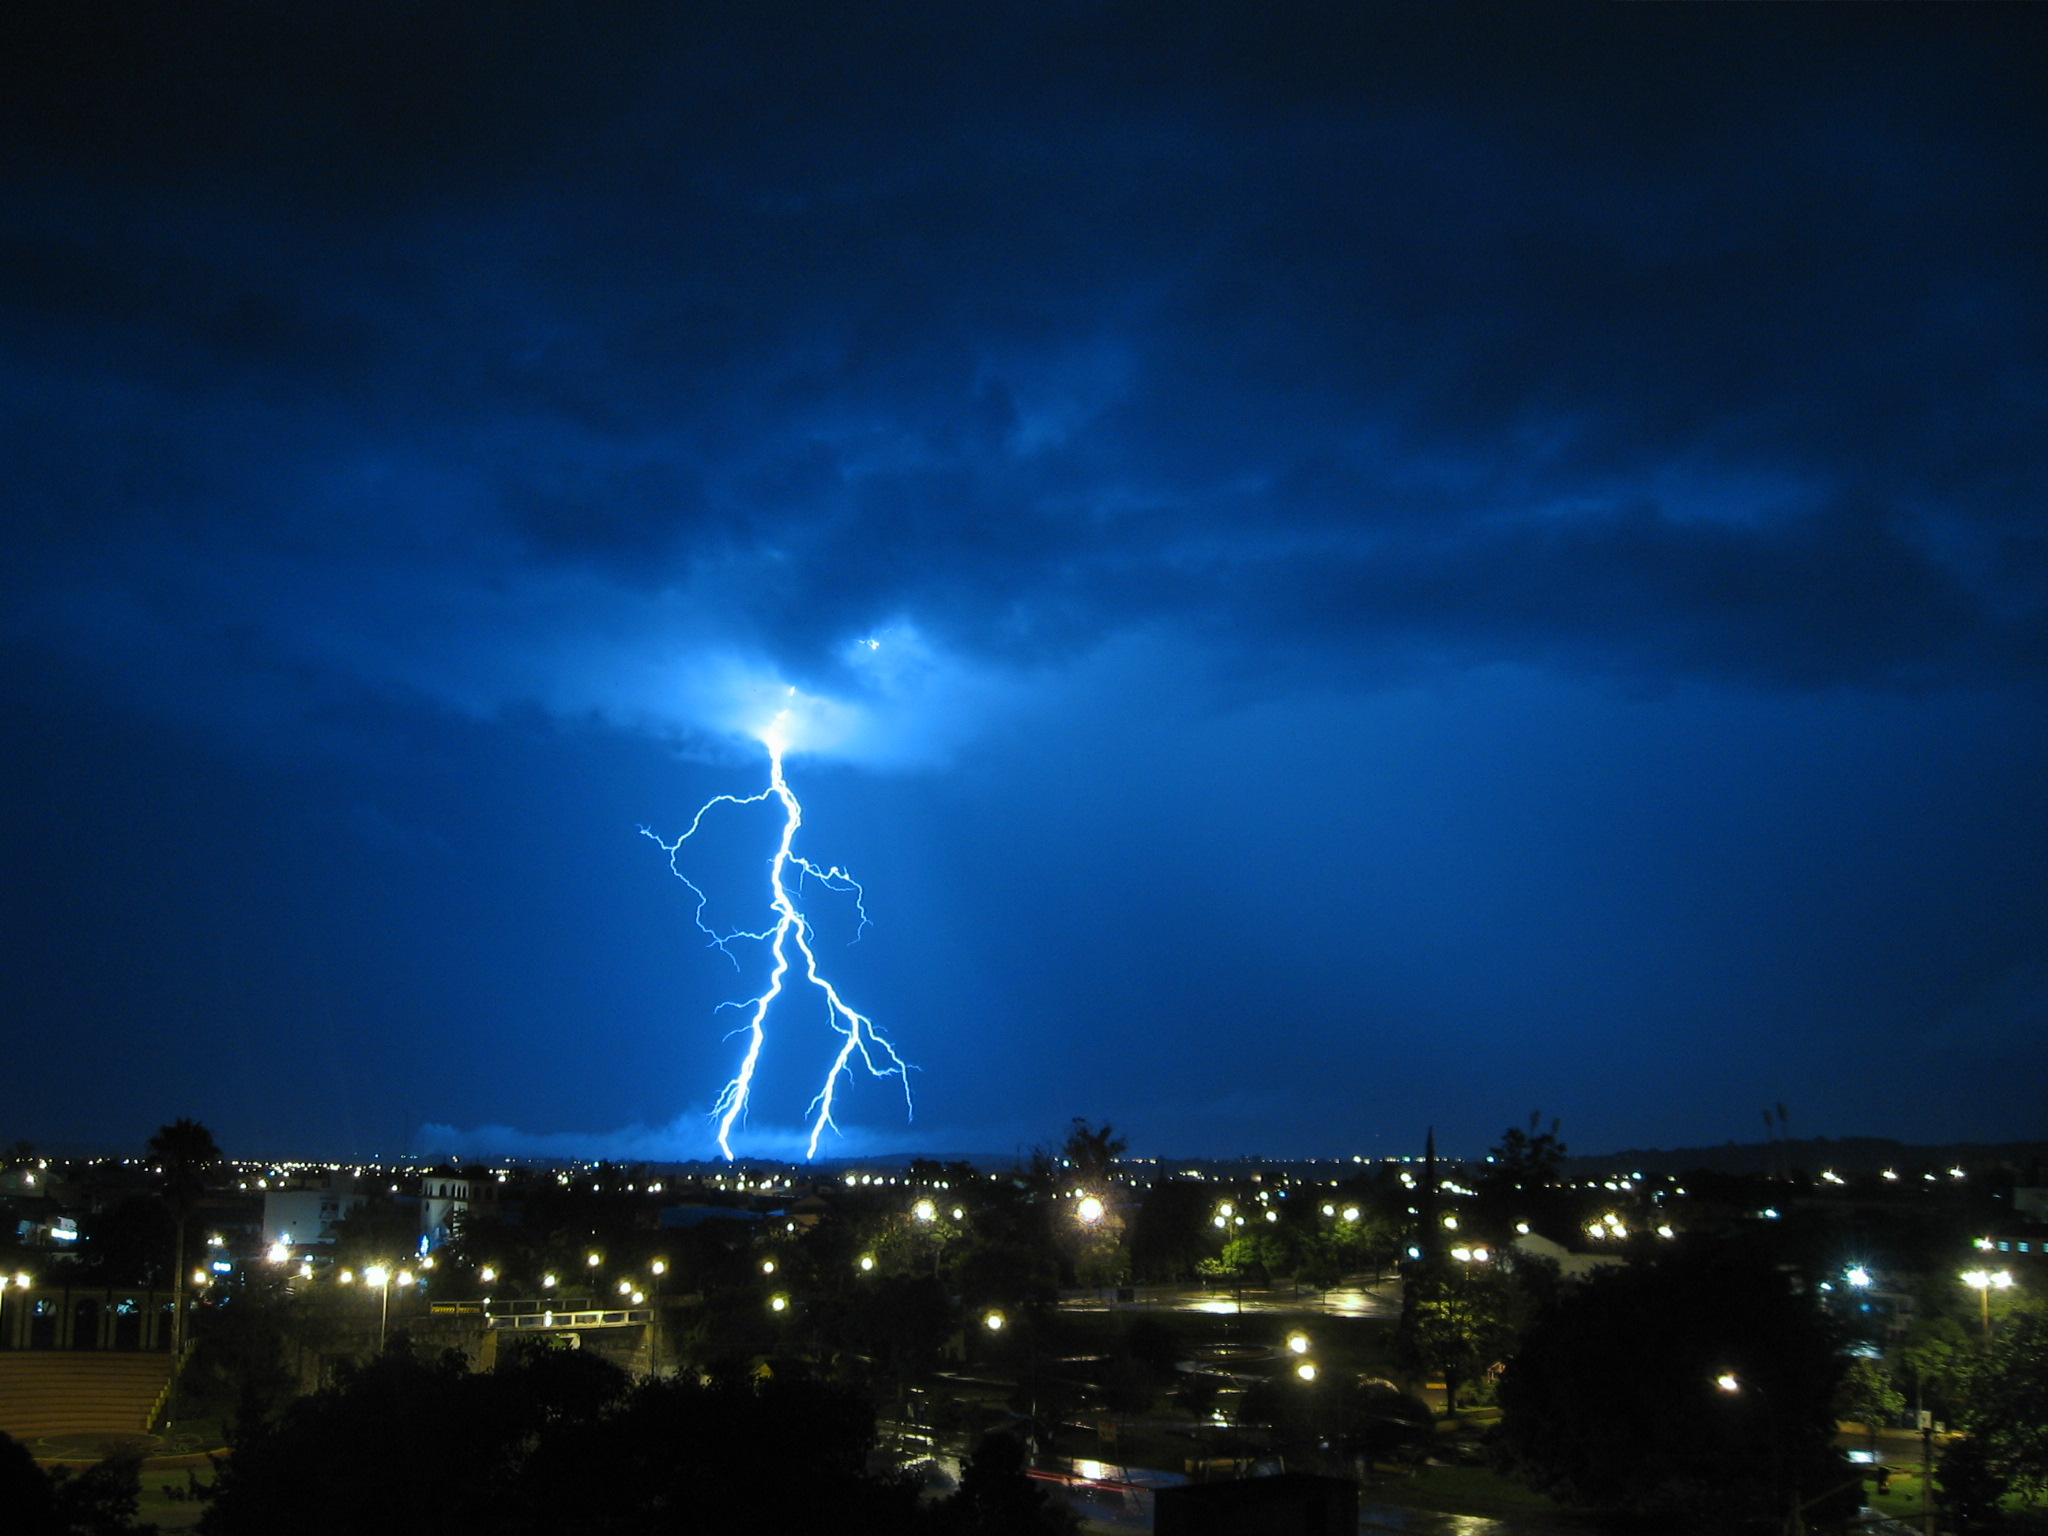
(561, 1443)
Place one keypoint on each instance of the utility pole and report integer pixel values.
(1927, 1469)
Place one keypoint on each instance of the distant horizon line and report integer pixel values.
(1851, 1150)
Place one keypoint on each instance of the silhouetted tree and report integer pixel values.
(1170, 1231)
(1090, 1153)
(184, 1155)
(1971, 1487)
(1520, 1181)
(2005, 1404)
(99, 1500)
(996, 1498)
(28, 1505)
(1611, 1400)
(556, 1441)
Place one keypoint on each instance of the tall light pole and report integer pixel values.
(1984, 1282)
(21, 1282)
(1736, 1386)
(381, 1277)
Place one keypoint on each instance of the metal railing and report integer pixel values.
(615, 1317)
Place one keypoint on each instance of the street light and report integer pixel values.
(21, 1282)
(1782, 1485)
(1984, 1282)
(1090, 1210)
(381, 1277)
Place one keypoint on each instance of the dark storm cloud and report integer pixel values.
(1570, 471)
(1703, 344)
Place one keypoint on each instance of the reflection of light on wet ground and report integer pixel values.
(1346, 1301)
(1352, 1302)
(1424, 1522)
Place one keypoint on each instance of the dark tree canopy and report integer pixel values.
(2005, 1404)
(185, 1155)
(1613, 1399)
(99, 1500)
(559, 1441)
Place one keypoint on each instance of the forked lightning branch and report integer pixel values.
(790, 941)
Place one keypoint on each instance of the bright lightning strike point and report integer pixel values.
(790, 930)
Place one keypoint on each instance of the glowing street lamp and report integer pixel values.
(381, 1276)
(1297, 1343)
(20, 1282)
(1984, 1282)
(1090, 1210)
(1306, 1371)
(994, 1322)
(925, 1211)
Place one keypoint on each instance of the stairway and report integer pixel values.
(58, 1392)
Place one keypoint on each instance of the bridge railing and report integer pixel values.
(606, 1317)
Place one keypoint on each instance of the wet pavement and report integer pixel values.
(1357, 1299)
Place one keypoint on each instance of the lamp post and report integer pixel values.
(1984, 1282)
(1735, 1386)
(20, 1282)
(381, 1276)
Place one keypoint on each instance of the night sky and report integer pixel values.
(1345, 569)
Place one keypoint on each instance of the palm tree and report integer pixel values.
(184, 1154)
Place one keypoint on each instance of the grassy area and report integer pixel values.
(1474, 1491)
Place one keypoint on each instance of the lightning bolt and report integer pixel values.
(790, 930)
